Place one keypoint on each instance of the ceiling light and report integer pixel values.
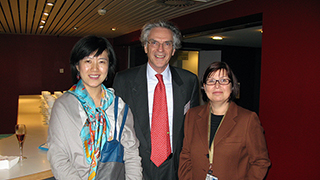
(219, 38)
(114, 29)
(41, 27)
(50, 4)
(102, 12)
(46, 14)
(43, 21)
(75, 28)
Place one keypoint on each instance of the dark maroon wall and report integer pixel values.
(37, 60)
(30, 64)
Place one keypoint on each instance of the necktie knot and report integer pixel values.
(159, 77)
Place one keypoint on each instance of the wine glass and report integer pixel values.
(21, 131)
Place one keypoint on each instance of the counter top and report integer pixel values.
(36, 162)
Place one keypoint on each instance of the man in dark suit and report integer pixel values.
(136, 86)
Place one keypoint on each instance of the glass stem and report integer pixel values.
(21, 150)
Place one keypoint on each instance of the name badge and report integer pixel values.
(186, 108)
(211, 177)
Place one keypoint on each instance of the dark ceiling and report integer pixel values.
(81, 18)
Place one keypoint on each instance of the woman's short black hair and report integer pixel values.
(214, 67)
(87, 45)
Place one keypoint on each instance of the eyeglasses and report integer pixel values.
(220, 81)
(156, 44)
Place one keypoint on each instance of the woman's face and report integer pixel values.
(93, 70)
(218, 93)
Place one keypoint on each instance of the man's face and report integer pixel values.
(159, 48)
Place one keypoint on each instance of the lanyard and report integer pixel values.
(211, 149)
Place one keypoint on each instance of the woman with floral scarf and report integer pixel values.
(83, 119)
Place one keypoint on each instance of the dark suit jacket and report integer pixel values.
(131, 86)
(240, 150)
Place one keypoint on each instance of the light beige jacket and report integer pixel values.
(65, 152)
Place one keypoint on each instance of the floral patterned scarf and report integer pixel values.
(96, 129)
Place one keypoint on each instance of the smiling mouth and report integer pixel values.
(158, 56)
(94, 76)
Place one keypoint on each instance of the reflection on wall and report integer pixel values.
(192, 63)
(195, 61)
(186, 60)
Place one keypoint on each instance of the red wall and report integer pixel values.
(289, 100)
(289, 97)
(37, 60)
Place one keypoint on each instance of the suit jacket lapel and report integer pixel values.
(202, 125)
(227, 124)
(140, 96)
(178, 106)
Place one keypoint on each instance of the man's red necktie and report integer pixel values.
(160, 137)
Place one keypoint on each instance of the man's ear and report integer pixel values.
(145, 49)
(174, 50)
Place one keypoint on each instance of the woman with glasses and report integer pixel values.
(222, 140)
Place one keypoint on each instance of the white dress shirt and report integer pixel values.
(152, 81)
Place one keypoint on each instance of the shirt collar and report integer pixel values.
(151, 73)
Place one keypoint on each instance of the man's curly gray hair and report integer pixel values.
(145, 31)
